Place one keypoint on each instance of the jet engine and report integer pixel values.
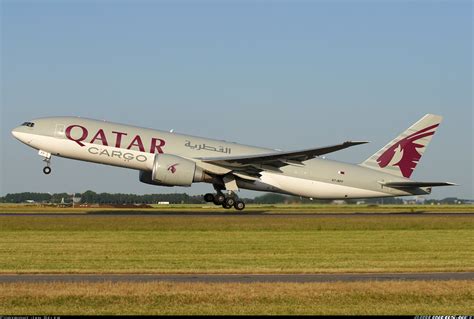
(172, 170)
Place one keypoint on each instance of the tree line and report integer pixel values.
(90, 197)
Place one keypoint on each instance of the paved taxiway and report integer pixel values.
(240, 278)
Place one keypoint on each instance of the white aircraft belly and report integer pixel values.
(315, 189)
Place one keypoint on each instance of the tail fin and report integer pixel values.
(400, 156)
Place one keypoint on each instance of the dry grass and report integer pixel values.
(374, 298)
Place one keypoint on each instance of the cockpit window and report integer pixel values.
(29, 124)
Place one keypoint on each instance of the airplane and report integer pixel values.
(171, 159)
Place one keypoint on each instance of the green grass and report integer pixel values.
(236, 244)
(362, 298)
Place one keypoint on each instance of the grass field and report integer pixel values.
(370, 298)
(236, 244)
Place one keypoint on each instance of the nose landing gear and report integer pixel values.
(47, 170)
(47, 159)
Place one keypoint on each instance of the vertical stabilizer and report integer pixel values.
(400, 156)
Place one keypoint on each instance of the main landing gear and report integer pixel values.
(226, 201)
(47, 159)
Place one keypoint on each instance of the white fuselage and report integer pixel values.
(134, 147)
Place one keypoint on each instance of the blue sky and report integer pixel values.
(279, 74)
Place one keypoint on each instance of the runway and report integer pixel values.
(237, 278)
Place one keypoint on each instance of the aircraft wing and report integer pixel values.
(275, 160)
(416, 184)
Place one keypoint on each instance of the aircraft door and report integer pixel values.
(59, 132)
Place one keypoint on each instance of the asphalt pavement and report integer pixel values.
(237, 278)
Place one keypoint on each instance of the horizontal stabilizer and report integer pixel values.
(416, 184)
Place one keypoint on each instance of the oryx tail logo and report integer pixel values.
(172, 168)
(404, 153)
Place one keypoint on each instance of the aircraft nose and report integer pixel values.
(20, 134)
(15, 133)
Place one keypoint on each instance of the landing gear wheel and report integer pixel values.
(47, 170)
(209, 197)
(239, 205)
(226, 206)
(219, 199)
(229, 201)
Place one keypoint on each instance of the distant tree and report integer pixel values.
(92, 197)
(385, 201)
(270, 198)
(23, 197)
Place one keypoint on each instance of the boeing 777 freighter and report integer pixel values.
(171, 159)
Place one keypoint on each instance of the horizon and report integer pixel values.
(259, 194)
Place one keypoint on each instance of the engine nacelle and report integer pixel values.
(172, 170)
